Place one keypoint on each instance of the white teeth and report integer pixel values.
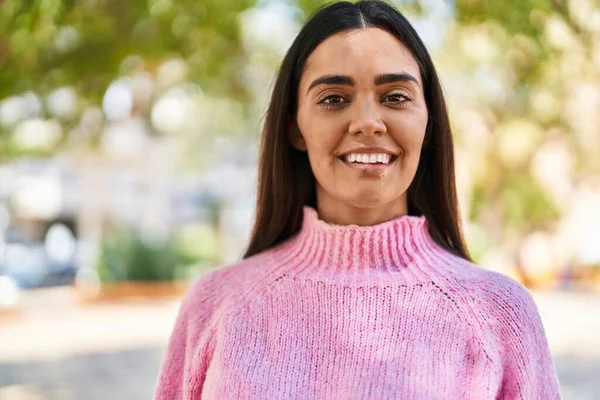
(368, 158)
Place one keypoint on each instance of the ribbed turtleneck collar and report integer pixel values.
(400, 248)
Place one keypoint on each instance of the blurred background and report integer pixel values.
(128, 148)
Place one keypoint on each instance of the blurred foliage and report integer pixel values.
(528, 122)
(85, 45)
(45, 44)
(307, 8)
(196, 242)
(126, 256)
(524, 200)
(512, 15)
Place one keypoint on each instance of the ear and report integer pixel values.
(296, 139)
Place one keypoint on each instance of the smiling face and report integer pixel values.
(361, 100)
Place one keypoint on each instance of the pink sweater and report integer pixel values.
(349, 312)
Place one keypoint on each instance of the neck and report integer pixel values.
(401, 249)
(335, 212)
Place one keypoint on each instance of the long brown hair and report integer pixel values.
(285, 180)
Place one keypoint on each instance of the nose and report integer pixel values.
(366, 119)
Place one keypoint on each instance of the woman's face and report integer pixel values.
(362, 118)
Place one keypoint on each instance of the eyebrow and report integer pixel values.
(348, 81)
(390, 78)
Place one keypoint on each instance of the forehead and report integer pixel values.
(360, 53)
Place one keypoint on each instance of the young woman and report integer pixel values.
(357, 283)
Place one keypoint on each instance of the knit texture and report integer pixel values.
(357, 312)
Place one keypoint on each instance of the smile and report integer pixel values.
(369, 163)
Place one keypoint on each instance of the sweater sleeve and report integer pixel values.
(527, 369)
(190, 346)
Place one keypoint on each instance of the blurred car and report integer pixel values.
(30, 266)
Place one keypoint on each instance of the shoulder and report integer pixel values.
(503, 309)
(483, 287)
(508, 325)
(219, 289)
(495, 293)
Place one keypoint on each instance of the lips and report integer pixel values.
(371, 150)
(371, 169)
(368, 158)
(380, 158)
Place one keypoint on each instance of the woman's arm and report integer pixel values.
(190, 346)
(526, 364)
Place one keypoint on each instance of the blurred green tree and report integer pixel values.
(86, 45)
(528, 74)
(45, 44)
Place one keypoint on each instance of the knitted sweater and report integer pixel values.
(357, 312)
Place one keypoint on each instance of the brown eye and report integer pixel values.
(333, 101)
(397, 98)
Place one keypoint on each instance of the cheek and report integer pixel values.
(320, 156)
(322, 138)
(409, 134)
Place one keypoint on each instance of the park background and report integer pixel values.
(128, 147)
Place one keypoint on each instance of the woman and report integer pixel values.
(357, 283)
